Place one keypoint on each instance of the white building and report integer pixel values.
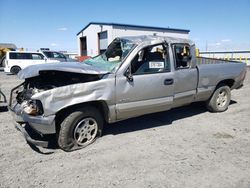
(95, 37)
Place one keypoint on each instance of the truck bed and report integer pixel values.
(206, 60)
(212, 71)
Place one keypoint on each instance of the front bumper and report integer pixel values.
(35, 129)
(7, 70)
(28, 137)
(41, 124)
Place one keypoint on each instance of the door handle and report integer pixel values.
(168, 81)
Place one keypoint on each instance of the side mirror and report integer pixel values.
(129, 75)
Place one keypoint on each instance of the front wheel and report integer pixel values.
(220, 99)
(80, 128)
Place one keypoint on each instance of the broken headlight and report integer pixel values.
(32, 107)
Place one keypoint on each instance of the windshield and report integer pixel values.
(48, 54)
(113, 56)
(54, 55)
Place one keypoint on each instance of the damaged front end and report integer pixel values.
(28, 111)
(28, 115)
(54, 89)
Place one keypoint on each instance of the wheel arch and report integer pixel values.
(228, 82)
(15, 66)
(211, 102)
(100, 105)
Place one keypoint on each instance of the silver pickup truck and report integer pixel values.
(135, 76)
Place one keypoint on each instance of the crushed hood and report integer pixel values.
(74, 67)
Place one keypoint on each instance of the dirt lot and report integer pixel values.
(185, 147)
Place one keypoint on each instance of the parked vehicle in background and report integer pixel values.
(5, 47)
(71, 58)
(54, 56)
(18, 60)
(133, 77)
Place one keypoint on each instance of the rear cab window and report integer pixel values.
(182, 55)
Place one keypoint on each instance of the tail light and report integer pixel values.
(243, 75)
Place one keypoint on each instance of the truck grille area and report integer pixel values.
(14, 99)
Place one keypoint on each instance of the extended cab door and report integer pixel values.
(185, 75)
(147, 84)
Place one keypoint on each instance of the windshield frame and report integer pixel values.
(124, 59)
(117, 62)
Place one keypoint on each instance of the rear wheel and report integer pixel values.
(220, 99)
(15, 69)
(80, 128)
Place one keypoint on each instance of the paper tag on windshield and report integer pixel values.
(156, 65)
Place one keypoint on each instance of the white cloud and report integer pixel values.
(53, 44)
(62, 29)
(225, 40)
(214, 44)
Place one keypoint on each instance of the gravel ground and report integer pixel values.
(184, 147)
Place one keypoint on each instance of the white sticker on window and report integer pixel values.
(156, 65)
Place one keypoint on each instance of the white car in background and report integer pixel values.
(17, 60)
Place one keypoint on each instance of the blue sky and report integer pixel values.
(214, 24)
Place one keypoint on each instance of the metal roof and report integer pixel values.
(135, 26)
(150, 38)
(8, 45)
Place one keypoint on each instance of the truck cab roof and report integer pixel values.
(144, 39)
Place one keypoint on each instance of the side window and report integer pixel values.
(12, 56)
(152, 59)
(27, 56)
(37, 56)
(20, 55)
(49, 54)
(58, 55)
(182, 56)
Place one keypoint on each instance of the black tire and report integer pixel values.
(75, 128)
(220, 99)
(15, 69)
